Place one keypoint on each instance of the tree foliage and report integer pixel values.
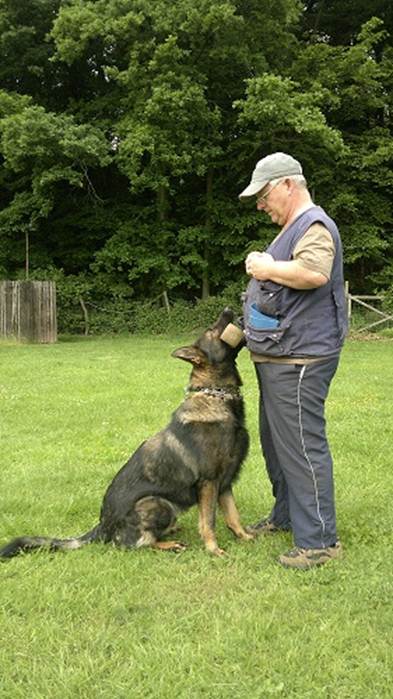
(127, 129)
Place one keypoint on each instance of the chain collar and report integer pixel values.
(216, 391)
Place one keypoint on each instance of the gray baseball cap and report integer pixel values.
(272, 167)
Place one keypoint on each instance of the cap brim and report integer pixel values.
(252, 189)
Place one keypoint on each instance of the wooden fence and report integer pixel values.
(364, 302)
(28, 310)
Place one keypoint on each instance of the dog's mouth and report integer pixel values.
(229, 333)
(232, 335)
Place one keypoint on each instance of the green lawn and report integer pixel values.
(100, 622)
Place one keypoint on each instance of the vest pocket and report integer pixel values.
(266, 340)
(268, 298)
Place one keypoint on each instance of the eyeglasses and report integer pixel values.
(262, 199)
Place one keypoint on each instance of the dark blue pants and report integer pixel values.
(296, 451)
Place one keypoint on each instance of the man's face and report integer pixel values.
(274, 201)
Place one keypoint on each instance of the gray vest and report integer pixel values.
(312, 322)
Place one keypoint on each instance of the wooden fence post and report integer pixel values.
(348, 299)
(28, 310)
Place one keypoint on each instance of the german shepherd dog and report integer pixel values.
(194, 460)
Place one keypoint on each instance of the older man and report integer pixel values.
(295, 323)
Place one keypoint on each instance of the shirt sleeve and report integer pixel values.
(316, 250)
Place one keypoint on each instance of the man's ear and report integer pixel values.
(189, 354)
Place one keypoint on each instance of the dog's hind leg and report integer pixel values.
(232, 517)
(157, 517)
(207, 503)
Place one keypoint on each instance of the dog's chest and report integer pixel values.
(203, 409)
(215, 433)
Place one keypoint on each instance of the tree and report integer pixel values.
(127, 129)
(339, 22)
(43, 151)
(357, 81)
(175, 119)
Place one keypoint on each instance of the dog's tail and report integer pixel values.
(31, 543)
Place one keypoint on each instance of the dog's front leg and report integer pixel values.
(232, 517)
(207, 502)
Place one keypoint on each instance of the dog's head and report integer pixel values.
(213, 358)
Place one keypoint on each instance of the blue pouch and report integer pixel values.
(259, 320)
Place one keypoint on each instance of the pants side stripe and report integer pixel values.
(302, 373)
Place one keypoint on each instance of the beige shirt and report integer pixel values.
(315, 251)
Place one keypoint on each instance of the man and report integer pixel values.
(295, 323)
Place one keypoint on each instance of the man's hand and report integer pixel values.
(259, 265)
(263, 266)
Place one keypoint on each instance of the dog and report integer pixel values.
(194, 460)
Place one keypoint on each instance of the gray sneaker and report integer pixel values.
(304, 559)
(265, 526)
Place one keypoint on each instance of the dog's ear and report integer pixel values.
(189, 354)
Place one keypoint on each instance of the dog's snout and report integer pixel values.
(226, 317)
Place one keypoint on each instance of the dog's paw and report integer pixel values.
(218, 552)
(178, 547)
(175, 546)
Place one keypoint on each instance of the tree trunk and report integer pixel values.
(162, 204)
(162, 215)
(85, 314)
(165, 301)
(208, 227)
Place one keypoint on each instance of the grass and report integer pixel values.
(136, 625)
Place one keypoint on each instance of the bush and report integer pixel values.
(86, 305)
(183, 316)
(118, 315)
